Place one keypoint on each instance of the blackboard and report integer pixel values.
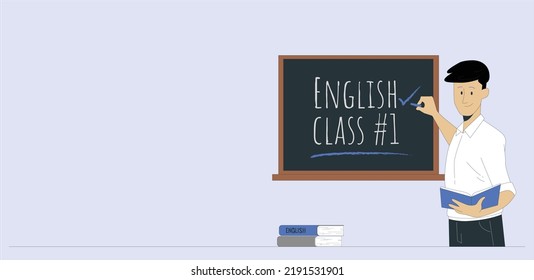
(354, 118)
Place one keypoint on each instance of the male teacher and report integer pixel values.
(475, 160)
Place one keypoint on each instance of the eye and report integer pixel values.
(461, 93)
(471, 93)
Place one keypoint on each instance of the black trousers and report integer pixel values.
(486, 233)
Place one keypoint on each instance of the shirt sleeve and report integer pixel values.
(494, 160)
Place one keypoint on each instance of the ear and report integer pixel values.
(485, 93)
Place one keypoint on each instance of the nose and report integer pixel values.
(464, 98)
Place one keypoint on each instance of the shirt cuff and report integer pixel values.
(508, 187)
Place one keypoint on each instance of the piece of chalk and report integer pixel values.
(416, 105)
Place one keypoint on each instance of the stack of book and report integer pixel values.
(309, 235)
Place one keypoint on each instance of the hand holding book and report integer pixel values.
(470, 210)
(470, 204)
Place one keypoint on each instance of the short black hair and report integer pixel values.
(468, 71)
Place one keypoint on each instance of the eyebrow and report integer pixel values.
(472, 87)
(460, 87)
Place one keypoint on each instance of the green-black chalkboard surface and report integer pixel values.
(355, 118)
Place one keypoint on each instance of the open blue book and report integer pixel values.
(491, 194)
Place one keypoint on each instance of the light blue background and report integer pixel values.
(134, 124)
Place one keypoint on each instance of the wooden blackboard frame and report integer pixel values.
(355, 174)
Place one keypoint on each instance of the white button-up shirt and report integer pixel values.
(476, 161)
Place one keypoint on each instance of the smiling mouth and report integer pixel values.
(469, 105)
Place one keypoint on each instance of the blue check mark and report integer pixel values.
(403, 102)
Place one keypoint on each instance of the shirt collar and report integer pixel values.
(472, 128)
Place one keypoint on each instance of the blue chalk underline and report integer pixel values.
(358, 154)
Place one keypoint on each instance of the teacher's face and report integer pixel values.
(468, 97)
